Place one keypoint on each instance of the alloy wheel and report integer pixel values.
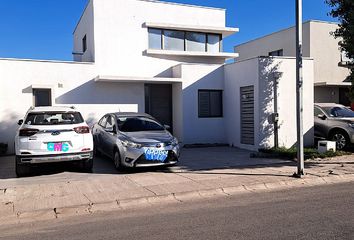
(340, 139)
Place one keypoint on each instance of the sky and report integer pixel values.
(42, 29)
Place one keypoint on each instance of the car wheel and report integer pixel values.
(117, 162)
(341, 139)
(22, 170)
(87, 165)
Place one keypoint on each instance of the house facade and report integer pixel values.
(330, 78)
(165, 59)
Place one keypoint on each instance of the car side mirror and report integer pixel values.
(20, 122)
(168, 127)
(322, 116)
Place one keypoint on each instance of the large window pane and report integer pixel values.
(155, 36)
(214, 43)
(173, 40)
(195, 41)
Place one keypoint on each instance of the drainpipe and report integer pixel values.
(276, 77)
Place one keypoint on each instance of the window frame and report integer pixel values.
(206, 49)
(221, 103)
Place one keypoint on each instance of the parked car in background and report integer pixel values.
(135, 140)
(334, 122)
(52, 134)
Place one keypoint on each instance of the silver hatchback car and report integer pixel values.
(135, 140)
(334, 122)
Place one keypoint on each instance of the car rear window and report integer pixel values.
(138, 124)
(54, 118)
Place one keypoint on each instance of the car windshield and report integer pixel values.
(138, 124)
(53, 118)
(339, 112)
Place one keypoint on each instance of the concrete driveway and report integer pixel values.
(192, 159)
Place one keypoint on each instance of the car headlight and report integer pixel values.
(131, 144)
(174, 142)
(351, 125)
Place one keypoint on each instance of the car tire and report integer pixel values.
(117, 161)
(341, 138)
(87, 165)
(22, 170)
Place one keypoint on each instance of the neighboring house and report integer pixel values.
(164, 59)
(330, 78)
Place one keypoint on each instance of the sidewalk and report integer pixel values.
(201, 173)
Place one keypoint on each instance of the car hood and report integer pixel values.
(149, 136)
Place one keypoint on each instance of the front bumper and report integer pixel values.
(135, 157)
(68, 157)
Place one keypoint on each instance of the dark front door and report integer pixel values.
(343, 96)
(158, 102)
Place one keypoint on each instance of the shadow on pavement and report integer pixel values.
(192, 160)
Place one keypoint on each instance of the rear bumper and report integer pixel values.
(69, 157)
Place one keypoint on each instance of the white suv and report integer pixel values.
(52, 134)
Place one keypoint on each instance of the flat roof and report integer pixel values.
(284, 29)
(46, 61)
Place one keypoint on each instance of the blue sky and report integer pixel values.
(42, 29)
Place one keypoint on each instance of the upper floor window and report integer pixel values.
(84, 44)
(276, 53)
(184, 40)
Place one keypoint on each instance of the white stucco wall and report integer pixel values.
(284, 39)
(196, 77)
(84, 27)
(325, 51)
(71, 83)
(121, 37)
(242, 74)
(318, 44)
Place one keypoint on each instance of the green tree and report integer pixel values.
(343, 10)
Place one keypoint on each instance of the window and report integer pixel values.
(138, 124)
(210, 103)
(317, 112)
(183, 40)
(155, 38)
(103, 121)
(195, 41)
(42, 97)
(84, 44)
(276, 53)
(54, 118)
(173, 40)
(214, 43)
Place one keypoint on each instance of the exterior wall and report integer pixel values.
(121, 38)
(85, 27)
(195, 129)
(318, 43)
(284, 39)
(242, 74)
(326, 54)
(71, 84)
(237, 75)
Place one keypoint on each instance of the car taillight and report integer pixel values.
(27, 132)
(82, 130)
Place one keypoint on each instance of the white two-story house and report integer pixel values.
(165, 59)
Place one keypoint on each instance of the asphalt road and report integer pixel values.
(322, 212)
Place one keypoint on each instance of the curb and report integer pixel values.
(141, 202)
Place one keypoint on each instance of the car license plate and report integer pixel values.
(153, 154)
(58, 147)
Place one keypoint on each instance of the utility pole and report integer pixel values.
(299, 91)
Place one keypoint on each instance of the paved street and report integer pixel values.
(321, 212)
(60, 191)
